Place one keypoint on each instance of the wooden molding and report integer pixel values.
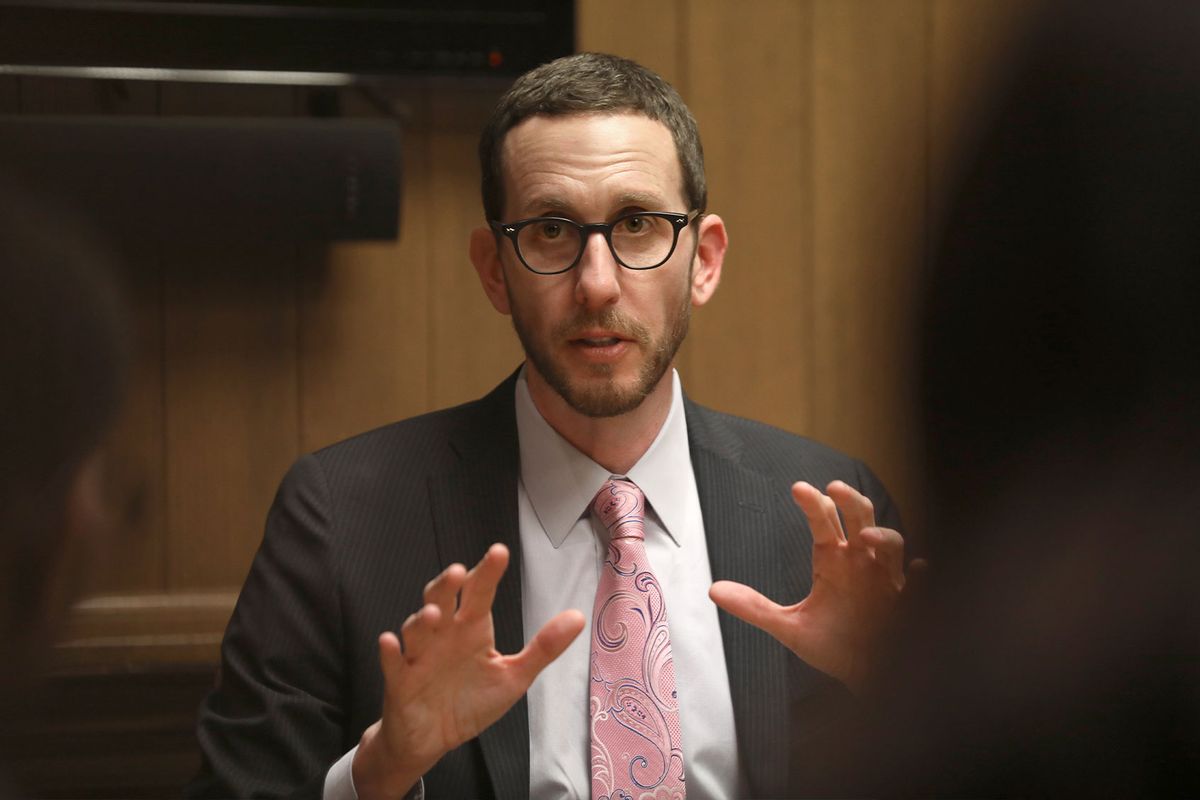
(120, 632)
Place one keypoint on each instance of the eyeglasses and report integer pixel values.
(638, 240)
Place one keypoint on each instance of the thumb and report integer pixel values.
(548, 644)
(747, 605)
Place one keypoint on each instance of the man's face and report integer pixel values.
(600, 335)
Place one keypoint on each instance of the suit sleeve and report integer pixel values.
(275, 722)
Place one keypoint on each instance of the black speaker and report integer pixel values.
(364, 38)
(215, 179)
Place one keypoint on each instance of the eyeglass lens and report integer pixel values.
(637, 241)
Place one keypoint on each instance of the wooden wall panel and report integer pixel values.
(232, 420)
(471, 346)
(365, 307)
(650, 34)
(869, 116)
(748, 71)
(232, 425)
(132, 631)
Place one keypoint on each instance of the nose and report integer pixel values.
(597, 276)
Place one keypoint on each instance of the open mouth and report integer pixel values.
(600, 346)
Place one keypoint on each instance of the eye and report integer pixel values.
(633, 224)
(550, 229)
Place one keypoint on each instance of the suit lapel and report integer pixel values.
(749, 541)
(754, 537)
(474, 504)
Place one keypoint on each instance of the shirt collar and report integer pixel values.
(560, 481)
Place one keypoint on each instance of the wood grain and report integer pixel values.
(230, 389)
(748, 81)
(650, 34)
(364, 314)
(869, 162)
(121, 632)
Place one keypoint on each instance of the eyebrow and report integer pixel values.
(550, 203)
(645, 199)
(560, 205)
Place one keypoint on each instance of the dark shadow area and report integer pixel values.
(1053, 649)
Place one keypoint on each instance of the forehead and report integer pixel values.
(590, 165)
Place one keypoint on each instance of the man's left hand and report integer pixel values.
(858, 574)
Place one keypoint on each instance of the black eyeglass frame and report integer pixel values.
(678, 221)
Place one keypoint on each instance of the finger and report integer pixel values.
(821, 513)
(548, 644)
(442, 591)
(888, 546)
(749, 606)
(857, 509)
(479, 589)
(391, 660)
(419, 629)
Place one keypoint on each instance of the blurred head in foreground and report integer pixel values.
(1056, 647)
(62, 364)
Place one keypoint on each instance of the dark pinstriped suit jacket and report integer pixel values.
(358, 528)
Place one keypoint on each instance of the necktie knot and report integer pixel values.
(621, 507)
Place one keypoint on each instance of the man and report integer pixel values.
(586, 145)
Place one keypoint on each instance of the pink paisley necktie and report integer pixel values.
(637, 749)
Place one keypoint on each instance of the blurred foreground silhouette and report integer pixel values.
(63, 357)
(1054, 646)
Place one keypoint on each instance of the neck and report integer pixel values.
(615, 443)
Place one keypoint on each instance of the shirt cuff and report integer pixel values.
(339, 781)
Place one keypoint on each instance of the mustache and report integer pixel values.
(609, 319)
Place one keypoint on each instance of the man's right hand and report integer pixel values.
(449, 682)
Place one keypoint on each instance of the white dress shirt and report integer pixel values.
(562, 550)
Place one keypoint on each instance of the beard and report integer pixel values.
(606, 398)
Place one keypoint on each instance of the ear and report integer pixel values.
(86, 515)
(87, 527)
(486, 257)
(712, 241)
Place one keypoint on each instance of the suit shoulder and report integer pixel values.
(432, 425)
(424, 443)
(777, 454)
(760, 443)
